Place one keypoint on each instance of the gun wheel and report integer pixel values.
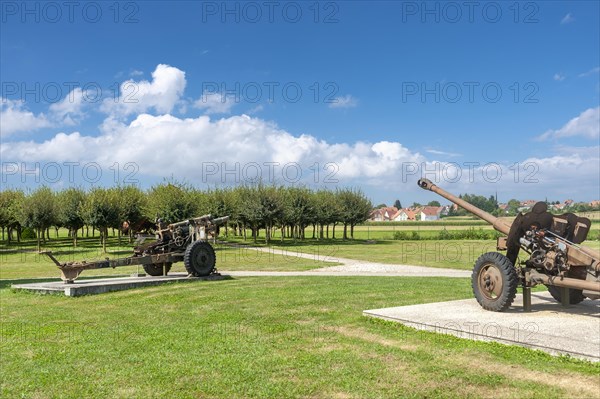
(494, 281)
(575, 296)
(199, 259)
(156, 269)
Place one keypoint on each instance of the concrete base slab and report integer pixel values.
(549, 327)
(102, 285)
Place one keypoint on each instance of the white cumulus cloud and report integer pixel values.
(161, 94)
(69, 111)
(215, 103)
(15, 117)
(587, 125)
(164, 145)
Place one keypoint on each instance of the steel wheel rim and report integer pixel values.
(202, 257)
(490, 281)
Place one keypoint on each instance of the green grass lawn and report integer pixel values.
(260, 337)
(263, 338)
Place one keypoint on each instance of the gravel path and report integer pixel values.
(353, 267)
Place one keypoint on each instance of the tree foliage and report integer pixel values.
(39, 212)
(101, 210)
(69, 206)
(11, 205)
(489, 205)
(172, 202)
(278, 210)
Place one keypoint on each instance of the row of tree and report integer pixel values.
(290, 210)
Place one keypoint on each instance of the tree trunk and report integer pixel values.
(352, 231)
(321, 235)
(39, 244)
(74, 232)
(333, 231)
(19, 232)
(345, 231)
(327, 231)
(56, 230)
(314, 231)
(103, 234)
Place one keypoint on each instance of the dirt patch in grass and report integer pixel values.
(342, 395)
(362, 334)
(575, 385)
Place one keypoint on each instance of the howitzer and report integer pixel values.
(185, 241)
(570, 271)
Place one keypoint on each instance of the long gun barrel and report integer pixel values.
(205, 220)
(555, 258)
(499, 225)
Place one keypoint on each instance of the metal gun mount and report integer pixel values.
(185, 241)
(570, 271)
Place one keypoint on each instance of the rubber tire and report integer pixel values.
(575, 296)
(156, 269)
(199, 259)
(509, 277)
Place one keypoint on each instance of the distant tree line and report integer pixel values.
(278, 210)
(489, 205)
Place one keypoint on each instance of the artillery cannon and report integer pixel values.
(185, 241)
(570, 271)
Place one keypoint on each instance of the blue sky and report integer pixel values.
(389, 91)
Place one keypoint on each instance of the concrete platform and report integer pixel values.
(549, 327)
(102, 285)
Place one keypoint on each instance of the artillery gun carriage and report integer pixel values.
(554, 257)
(186, 241)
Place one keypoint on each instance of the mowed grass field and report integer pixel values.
(267, 337)
(262, 337)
